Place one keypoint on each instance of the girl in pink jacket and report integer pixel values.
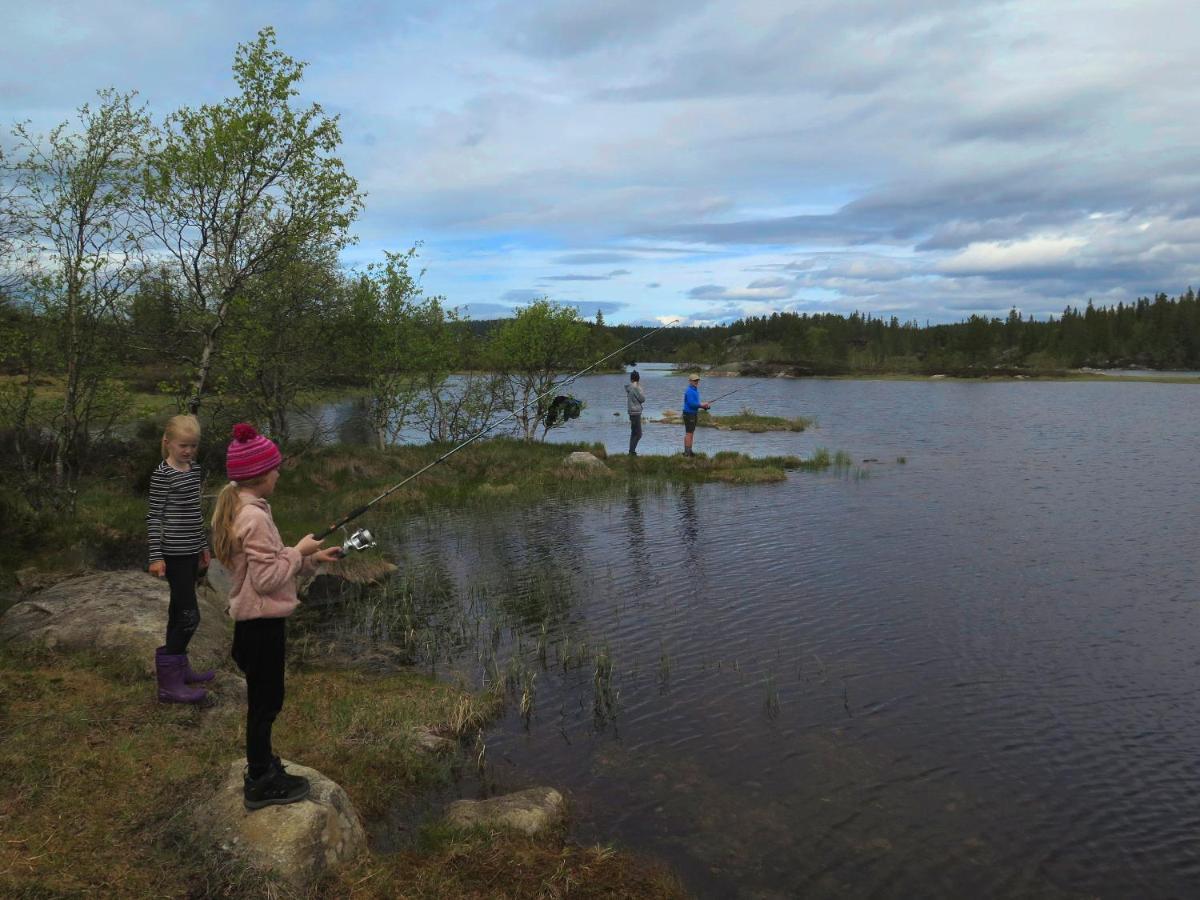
(262, 596)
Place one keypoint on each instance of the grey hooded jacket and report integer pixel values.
(636, 397)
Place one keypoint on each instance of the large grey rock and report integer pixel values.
(123, 612)
(532, 811)
(583, 458)
(298, 841)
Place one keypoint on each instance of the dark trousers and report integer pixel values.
(635, 431)
(259, 646)
(183, 615)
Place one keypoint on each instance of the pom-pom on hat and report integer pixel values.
(250, 454)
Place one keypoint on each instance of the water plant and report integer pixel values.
(771, 700)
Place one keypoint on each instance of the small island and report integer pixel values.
(745, 420)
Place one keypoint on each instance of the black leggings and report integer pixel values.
(183, 615)
(259, 646)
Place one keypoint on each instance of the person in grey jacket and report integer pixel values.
(635, 397)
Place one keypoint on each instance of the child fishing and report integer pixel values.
(178, 551)
(262, 595)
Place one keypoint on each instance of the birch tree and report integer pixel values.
(76, 190)
(238, 188)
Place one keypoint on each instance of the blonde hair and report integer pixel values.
(224, 542)
(177, 427)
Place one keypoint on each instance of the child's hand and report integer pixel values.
(329, 554)
(308, 545)
(158, 568)
(205, 559)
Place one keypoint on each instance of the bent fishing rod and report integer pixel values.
(354, 514)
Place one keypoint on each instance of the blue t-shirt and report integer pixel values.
(691, 400)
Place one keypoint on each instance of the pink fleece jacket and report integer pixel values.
(264, 570)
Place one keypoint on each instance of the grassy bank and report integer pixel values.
(97, 778)
(108, 530)
(746, 420)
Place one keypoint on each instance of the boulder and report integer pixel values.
(583, 458)
(532, 811)
(298, 841)
(123, 612)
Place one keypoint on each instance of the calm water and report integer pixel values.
(973, 674)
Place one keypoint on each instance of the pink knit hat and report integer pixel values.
(250, 454)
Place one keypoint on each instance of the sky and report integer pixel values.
(707, 161)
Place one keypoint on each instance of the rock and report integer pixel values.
(532, 811)
(431, 742)
(298, 841)
(122, 612)
(583, 458)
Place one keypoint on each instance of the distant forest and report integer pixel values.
(1158, 333)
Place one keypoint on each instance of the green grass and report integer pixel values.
(745, 420)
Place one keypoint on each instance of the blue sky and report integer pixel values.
(925, 159)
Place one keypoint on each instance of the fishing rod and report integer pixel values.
(723, 396)
(362, 538)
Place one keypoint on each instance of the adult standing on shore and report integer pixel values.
(691, 412)
(635, 397)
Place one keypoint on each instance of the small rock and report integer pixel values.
(532, 811)
(431, 742)
(298, 841)
(583, 458)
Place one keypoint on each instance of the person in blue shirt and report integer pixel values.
(691, 412)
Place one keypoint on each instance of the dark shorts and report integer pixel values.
(689, 422)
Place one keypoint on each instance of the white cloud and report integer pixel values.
(1003, 256)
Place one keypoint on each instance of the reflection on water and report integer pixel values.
(974, 674)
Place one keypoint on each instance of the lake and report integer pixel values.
(975, 672)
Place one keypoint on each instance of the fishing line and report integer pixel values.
(354, 514)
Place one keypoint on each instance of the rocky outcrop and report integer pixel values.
(298, 841)
(121, 612)
(532, 811)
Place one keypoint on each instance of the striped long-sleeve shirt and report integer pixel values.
(174, 522)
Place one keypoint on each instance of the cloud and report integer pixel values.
(761, 289)
(594, 257)
(1036, 254)
(486, 310)
(522, 295)
(590, 307)
(615, 273)
(931, 158)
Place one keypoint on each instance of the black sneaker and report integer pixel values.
(275, 787)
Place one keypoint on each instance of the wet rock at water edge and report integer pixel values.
(532, 811)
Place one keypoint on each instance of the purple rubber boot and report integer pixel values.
(170, 670)
(191, 677)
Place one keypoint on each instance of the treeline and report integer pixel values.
(1157, 333)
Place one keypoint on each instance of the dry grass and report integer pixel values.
(97, 779)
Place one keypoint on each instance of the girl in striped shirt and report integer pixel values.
(178, 551)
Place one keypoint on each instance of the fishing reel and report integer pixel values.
(360, 540)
